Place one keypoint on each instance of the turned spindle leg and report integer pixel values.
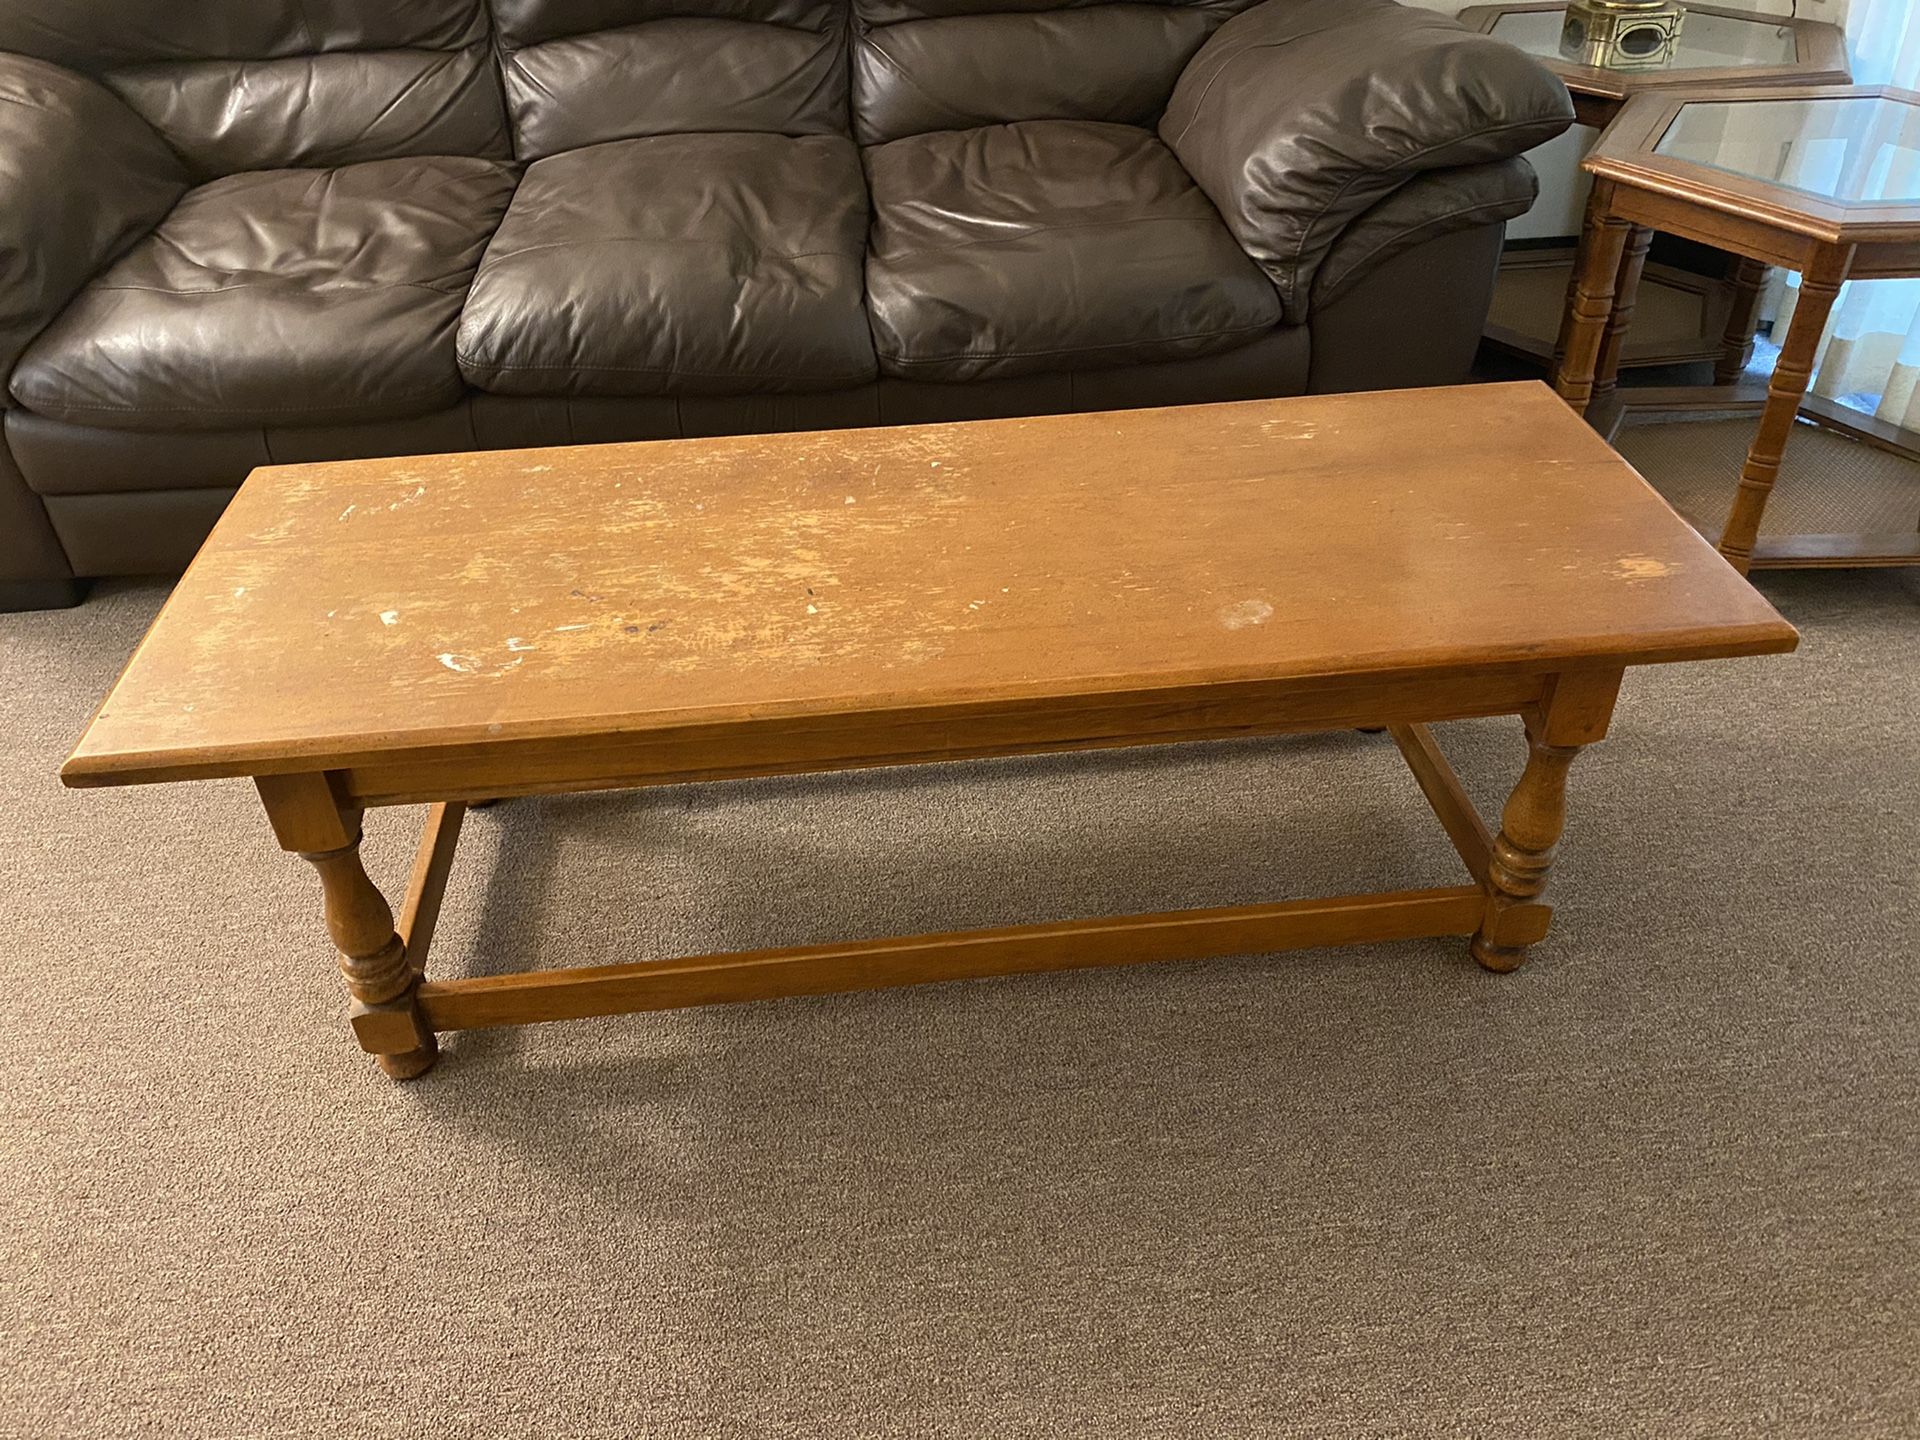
(1749, 278)
(374, 960)
(1530, 827)
(1576, 712)
(1819, 287)
(1590, 300)
(1626, 290)
(382, 980)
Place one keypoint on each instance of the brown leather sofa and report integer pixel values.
(243, 232)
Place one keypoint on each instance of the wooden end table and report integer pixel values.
(443, 630)
(1824, 181)
(1718, 49)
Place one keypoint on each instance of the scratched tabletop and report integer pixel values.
(408, 604)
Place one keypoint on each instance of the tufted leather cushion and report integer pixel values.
(580, 72)
(102, 34)
(1049, 245)
(278, 297)
(677, 264)
(81, 179)
(527, 22)
(259, 84)
(317, 110)
(924, 65)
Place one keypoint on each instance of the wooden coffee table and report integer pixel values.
(453, 629)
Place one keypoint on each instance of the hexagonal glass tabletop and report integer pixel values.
(1707, 42)
(1855, 149)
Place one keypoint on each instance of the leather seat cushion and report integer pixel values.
(677, 265)
(278, 296)
(1049, 245)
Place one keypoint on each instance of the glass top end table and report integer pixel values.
(1714, 47)
(1708, 40)
(1824, 181)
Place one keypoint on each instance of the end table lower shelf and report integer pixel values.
(1882, 546)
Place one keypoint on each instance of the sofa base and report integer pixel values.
(130, 502)
(19, 595)
(147, 532)
(1415, 317)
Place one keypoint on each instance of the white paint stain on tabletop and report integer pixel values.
(1245, 613)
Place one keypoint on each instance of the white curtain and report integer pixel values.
(1884, 36)
(1872, 345)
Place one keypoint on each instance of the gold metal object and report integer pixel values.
(1622, 34)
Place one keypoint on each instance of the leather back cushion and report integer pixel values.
(238, 85)
(926, 65)
(580, 72)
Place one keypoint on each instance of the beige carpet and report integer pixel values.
(1665, 1182)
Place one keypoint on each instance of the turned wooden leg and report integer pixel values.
(1603, 244)
(1577, 711)
(1530, 828)
(380, 977)
(1626, 291)
(311, 821)
(1736, 347)
(1820, 285)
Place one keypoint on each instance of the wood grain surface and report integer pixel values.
(458, 607)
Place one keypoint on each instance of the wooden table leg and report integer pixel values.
(312, 822)
(1530, 828)
(1576, 714)
(1736, 346)
(1820, 285)
(1603, 243)
(1626, 290)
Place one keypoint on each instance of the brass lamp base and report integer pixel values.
(1622, 34)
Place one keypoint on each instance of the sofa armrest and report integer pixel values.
(1425, 208)
(81, 178)
(1299, 115)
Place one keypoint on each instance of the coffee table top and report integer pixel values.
(465, 605)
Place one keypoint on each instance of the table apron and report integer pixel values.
(1755, 239)
(1883, 260)
(743, 750)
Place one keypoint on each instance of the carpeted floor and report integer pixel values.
(1665, 1182)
